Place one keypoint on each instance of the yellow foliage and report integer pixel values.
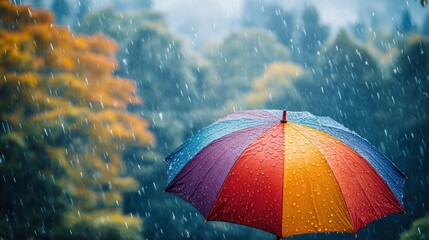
(58, 92)
(110, 125)
(126, 225)
(277, 80)
(125, 183)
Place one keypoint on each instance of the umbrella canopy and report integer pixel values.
(287, 176)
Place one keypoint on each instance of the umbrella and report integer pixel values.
(286, 173)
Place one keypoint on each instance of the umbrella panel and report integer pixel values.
(289, 179)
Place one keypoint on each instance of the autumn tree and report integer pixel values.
(177, 84)
(177, 87)
(65, 128)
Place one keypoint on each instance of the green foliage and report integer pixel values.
(241, 57)
(281, 22)
(272, 17)
(310, 37)
(425, 27)
(410, 72)
(117, 26)
(176, 85)
(154, 59)
(350, 77)
(29, 209)
(418, 231)
(167, 75)
(66, 129)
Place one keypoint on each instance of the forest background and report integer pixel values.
(93, 100)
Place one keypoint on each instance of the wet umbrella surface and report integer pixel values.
(287, 173)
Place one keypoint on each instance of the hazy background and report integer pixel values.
(183, 64)
(215, 19)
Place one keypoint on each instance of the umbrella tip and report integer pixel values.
(284, 120)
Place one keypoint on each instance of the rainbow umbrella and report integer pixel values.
(299, 175)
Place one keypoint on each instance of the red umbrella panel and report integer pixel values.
(291, 176)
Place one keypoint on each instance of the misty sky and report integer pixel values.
(202, 20)
(213, 18)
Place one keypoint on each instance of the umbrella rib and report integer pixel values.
(357, 136)
(363, 189)
(338, 184)
(359, 183)
(214, 163)
(363, 149)
(313, 203)
(389, 162)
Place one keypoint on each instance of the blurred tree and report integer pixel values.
(407, 24)
(275, 88)
(121, 27)
(281, 22)
(311, 36)
(65, 130)
(410, 73)
(348, 84)
(270, 16)
(419, 230)
(61, 10)
(177, 86)
(82, 10)
(384, 46)
(359, 31)
(166, 74)
(240, 58)
(409, 106)
(425, 26)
